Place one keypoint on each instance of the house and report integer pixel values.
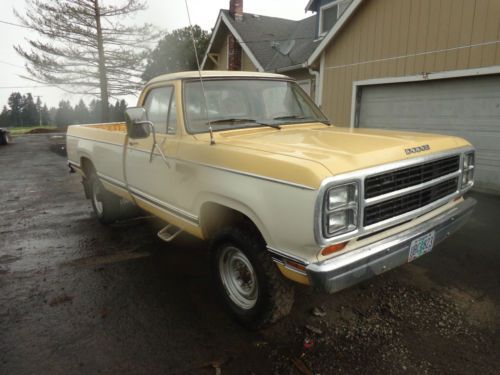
(423, 65)
(244, 41)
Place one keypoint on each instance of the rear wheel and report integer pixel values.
(105, 204)
(247, 280)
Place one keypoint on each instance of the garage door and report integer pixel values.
(466, 107)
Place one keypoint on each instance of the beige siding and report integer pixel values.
(389, 38)
(246, 63)
(223, 56)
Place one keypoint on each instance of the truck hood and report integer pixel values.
(338, 149)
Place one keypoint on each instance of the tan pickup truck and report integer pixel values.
(247, 161)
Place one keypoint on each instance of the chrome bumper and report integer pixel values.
(341, 272)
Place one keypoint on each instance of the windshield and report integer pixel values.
(240, 103)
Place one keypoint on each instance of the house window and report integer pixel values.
(330, 13)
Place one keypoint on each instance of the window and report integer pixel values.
(330, 13)
(161, 109)
(240, 103)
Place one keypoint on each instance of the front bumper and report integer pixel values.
(341, 272)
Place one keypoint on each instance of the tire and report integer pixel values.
(105, 204)
(247, 280)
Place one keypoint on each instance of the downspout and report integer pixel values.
(318, 76)
(316, 86)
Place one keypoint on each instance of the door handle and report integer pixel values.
(133, 143)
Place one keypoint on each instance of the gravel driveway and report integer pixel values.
(80, 298)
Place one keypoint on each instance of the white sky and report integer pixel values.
(165, 14)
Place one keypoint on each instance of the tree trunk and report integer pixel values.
(103, 79)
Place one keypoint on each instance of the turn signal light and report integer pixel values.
(296, 265)
(334, 248)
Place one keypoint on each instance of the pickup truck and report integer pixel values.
(249, 163)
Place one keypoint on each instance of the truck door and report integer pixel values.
(150, 177)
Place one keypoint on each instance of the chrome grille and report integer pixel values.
(403, 190)
(409, 202)
(414, 175)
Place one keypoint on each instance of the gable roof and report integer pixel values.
(260, 37)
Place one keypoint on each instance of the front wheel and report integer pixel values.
(105, 204)
(247, 280)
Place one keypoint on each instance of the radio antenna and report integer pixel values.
(212, 140)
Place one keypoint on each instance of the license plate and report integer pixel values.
(420, 246)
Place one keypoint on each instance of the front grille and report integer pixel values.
(414, 175)
(409, 202)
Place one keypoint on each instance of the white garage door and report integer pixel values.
(466, 107)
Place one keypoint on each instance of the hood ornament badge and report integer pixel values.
(414, 150)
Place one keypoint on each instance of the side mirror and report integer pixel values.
(137, 125)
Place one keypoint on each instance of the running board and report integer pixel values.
(168, 233)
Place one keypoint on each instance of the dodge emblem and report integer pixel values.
(414, 150)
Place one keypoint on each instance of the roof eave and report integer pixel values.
(291, 67)
(212, 38)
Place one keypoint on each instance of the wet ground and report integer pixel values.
(80, 298)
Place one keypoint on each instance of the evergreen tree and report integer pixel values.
(5, 117)
(29, 111)
(15, 104)
(45, 115)
(65, 114)
(175, 52)
(82, 115)
(85, 48)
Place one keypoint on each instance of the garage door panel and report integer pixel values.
(464, 107)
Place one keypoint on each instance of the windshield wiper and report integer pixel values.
(289, 117)
(230, 121)
(295, 117)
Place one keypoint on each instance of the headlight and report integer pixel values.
(340, 212)
(468, 163)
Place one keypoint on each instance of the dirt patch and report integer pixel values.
(45, 131)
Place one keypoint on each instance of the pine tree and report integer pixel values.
(85, 48)
(15, 104)
(29, 111)
(5, 117)
(82, 115)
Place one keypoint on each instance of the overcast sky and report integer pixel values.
(166, 14)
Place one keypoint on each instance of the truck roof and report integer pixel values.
(213, 74)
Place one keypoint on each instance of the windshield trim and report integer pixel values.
(256, 125)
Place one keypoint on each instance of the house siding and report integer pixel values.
(223, 55)
(390, 38)
(246, 63)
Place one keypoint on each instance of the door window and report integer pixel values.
(161, 109)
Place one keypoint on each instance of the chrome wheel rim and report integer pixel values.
(238, 277)
(96, 192)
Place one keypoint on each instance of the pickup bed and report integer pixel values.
(248, 162)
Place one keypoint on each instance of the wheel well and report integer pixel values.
(215, 216)
(87, 166)
(88, 169)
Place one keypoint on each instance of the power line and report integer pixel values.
(8, 63)
(24, 87)
(15, 24)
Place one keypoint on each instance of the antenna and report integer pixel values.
(212, 140)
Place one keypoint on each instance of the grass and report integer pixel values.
(23, 129)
